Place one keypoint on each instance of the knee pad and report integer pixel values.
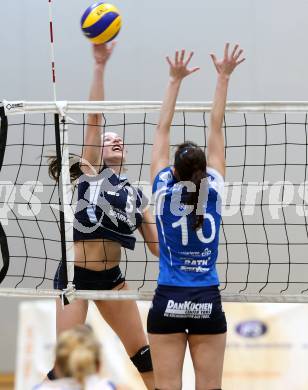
(51, 375)
(142, 359)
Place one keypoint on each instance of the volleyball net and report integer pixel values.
(264, 234)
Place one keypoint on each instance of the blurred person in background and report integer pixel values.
(78, 362)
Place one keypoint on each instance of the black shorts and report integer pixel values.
(191, 310)
(86, 279)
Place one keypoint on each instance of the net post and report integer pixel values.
(3, 133)
(66, 213)
(3, 240)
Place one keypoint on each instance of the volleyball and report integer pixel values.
(101, 22)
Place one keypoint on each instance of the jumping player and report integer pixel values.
(109, 210)
(187, 304)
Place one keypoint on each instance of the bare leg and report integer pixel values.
(73, 314)
(67, 317)
(207, 352)
(124, 318)
(168, 352)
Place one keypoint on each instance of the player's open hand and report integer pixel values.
(101, 53)
(229, 62)
(179, 66)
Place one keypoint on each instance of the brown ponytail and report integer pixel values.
(75, 171)
(190, 165)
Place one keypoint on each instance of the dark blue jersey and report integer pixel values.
(187, 256)
(108, 207)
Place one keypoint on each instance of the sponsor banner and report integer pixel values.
(267, 346)
(35, 342)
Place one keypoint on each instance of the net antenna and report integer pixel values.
(52, 51)
(64, 183)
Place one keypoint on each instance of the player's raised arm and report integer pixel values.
(178, 70)
(148, 231)
(216, 142)
(92, 151)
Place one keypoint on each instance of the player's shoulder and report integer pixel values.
(165, 175)
(163, 178)
(215, 180)
(213, 174)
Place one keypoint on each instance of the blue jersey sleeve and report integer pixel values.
(216, 181)
(162, 178)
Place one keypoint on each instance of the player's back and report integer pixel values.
(187, 255)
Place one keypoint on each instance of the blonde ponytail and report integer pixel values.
(82, 363)
(78, 353)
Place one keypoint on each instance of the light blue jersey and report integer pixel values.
(187, 256)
